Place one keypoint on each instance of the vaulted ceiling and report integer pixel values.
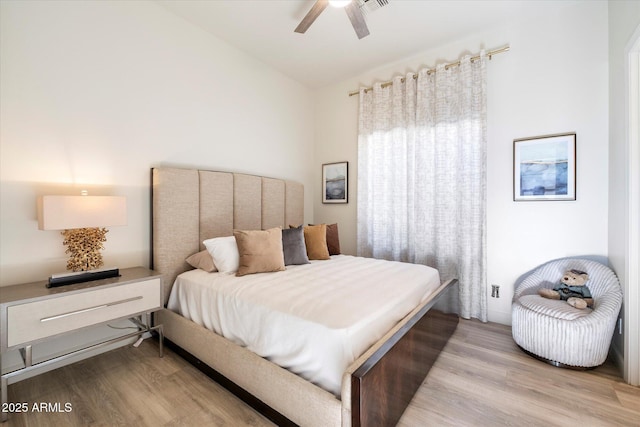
(330, 50)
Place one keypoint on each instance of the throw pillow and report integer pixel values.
(260, 251)
(224, 252)
(202, 260)
(315, 239)
(333, 239)
(295, 251)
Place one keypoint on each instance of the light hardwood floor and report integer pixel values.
(483, 379)
(480, 379)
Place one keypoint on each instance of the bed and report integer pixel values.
(190, 206)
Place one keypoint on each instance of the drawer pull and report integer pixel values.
(85, 310)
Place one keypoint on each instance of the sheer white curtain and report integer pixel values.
(422, 175)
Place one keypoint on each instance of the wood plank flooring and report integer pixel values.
(483, 379)
(480, 379)
(131, 387)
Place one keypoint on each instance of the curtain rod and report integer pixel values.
(446, 67)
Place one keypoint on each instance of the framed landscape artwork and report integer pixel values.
(335, 182)
(544, 167)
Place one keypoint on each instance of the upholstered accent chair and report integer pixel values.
(558, 333)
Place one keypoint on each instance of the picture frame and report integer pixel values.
(544, 168)
(335, 182)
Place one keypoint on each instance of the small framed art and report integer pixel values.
(544, 167)
(335, 182)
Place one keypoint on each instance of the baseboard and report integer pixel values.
(616, 356)
(504, 318)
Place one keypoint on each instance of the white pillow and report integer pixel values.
(224, 252)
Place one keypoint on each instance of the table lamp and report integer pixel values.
(83, 220)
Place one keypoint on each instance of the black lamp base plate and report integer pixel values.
(81, 277)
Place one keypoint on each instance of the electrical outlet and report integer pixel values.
(495, 291)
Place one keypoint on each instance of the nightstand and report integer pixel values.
(32, 314)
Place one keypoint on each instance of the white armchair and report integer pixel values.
(558, 333)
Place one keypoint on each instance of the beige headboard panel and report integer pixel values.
(190, 206)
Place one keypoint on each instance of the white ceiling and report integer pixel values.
(330, 50)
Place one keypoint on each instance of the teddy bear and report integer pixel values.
(572, 289)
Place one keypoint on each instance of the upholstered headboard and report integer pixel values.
(190, 206)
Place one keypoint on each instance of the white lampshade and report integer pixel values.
(69, 212)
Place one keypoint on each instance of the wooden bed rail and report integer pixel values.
(383, 386)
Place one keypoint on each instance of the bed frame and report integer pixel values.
(189, 206)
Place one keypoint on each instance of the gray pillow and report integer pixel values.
(295, 251)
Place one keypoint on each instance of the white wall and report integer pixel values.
(624, 20)
(553, 80)
(94, 94)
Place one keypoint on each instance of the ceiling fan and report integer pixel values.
(354, 9)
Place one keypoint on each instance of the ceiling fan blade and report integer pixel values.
(311, 16)
(357, 19)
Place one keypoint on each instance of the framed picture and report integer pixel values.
(335, 182)
(544, 167)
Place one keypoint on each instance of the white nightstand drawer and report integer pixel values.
(41, 319)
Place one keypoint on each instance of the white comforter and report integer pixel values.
(312, 319)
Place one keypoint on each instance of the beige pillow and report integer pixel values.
(315, 239)
(203, 261)
(333, 240)
(260, 251)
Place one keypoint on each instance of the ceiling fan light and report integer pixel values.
(339, 3)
